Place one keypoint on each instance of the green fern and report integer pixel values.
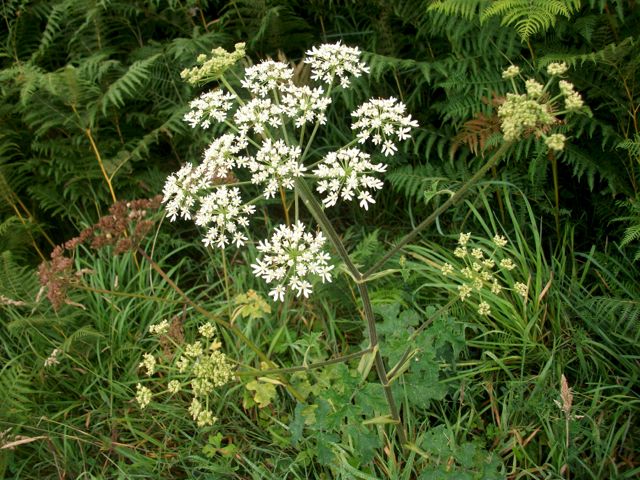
(527, 17)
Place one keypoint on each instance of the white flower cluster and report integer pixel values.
(209, 106)
(305, 105)
(290, 258)
(557, 68)
(201, 365)
(555, 142)
(257, 114)
(266, 76)
(383, 121)
(268, 120)
(572, 99)
(347, 173)
(222, 212)
(511, 72)
(335, 60)
(277, 165)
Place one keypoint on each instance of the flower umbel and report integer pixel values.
(347, 173)
(277, 165)
(335, 60)
(383, 121)
(290, 258)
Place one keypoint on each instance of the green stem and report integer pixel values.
(304, 368)
(453, 200)
(556, 191)
(318, 213)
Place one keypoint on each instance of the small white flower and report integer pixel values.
(305, 105)
(511, 72)
(446, 269)
(174, 386)
(557, 68)
(277, 165)
(260, 79)
(346, 174)
(572, 99)
(484, 308)
(383, 121)
(207, 330)
(499, 240)
(555, 142)
(194, 349)
(257, 114)
(335, 60)
(148, 362)
(507, 264)
(534, 88)
(521, 288)
(143, 396)
(159, 328)
(210, 106)
(460, 252)
(289, 258)
(464, 292)
(205, 417)
(464, 239)
(223, 213)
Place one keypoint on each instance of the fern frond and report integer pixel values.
(129, 85)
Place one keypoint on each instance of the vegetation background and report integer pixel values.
(91, 113)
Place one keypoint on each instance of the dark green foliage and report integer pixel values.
(91, 91)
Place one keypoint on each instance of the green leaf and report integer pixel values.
(264, 392)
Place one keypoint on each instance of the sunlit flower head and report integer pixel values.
(383, 121)
(290, 259)
(329, 61)
(347, 174)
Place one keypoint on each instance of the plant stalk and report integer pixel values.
(453, 200)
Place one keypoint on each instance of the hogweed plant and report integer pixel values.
(271, 128)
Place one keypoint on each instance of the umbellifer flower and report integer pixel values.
(290, 258)
(345, 174)
(209, 106)
(143, 396)
(277, 165)
(260, 79)
(383, 121)
(223, 213)
(335, 60)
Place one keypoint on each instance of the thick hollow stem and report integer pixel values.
(318, 213)
(453, 200)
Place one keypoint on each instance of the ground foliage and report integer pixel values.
(91, 113)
